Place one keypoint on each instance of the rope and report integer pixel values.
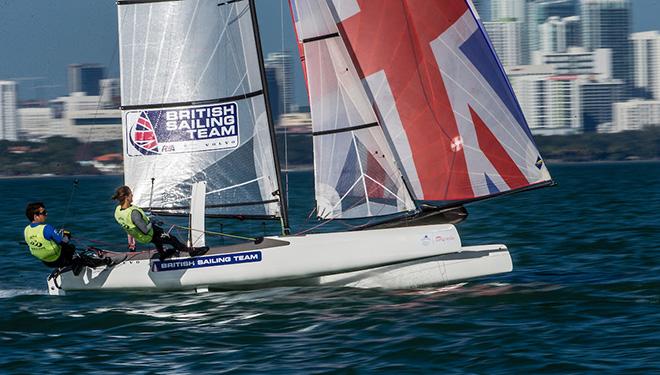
(68, 205)
(151, 195)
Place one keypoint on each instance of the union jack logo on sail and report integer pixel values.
(143, 135)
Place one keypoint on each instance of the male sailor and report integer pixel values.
(51, 247)
(138, 225)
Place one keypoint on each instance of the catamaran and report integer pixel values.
(412, 117)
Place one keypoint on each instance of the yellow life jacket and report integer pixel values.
(40, 247)
(123, 217)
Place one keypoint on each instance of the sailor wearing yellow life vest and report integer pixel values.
(45, 243)
(138, 225)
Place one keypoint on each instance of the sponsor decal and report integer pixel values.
(441, 238)
(539, 162)
(426, 240)
(182, 129)
(207, 261)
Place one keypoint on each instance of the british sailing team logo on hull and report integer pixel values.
(182, 129)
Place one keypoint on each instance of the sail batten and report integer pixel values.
(194, 108)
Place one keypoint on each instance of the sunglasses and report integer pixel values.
(44, 212)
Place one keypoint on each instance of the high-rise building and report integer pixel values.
(577, 61)
(85, 78)
(482, 8)
(551, 104)
(506, 37)
(557, 34)
(646, 47)
(273, 93)
(37, 122)
(566, 104)
(507, 10)
(82, 118)
(110, 93)
(513, 11)
(538, 11)
(607, 24)
(573, 28)
(8, 111)
(636, 114)
(281, 63)
(597, 98)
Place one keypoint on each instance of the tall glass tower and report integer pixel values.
(538, 12)
(283, 70)
(86, 78)
(510, 14)
(482, 8)
(646, 46)
(607, 24)
(8, 111)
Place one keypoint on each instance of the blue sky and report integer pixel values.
(39, 38)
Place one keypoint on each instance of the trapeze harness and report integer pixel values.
(123, 217)
(40, 247)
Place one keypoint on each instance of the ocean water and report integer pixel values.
(584, 296)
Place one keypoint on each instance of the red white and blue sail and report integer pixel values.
(442, 96)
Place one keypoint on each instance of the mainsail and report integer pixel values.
(194, 108)
(441, 94)
(356, 174)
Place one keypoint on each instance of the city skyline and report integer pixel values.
(567, 78)
(59, 34)
(80, 31)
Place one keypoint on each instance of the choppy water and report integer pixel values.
(584, 296)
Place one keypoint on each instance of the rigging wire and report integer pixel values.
(220, 234)
(68, 205)
(85, 146)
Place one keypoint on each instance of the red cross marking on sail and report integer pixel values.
(394, 36)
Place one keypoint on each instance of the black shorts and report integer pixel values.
(66, 257)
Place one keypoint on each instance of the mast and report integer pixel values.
(271, 126)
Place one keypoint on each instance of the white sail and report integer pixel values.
(355, 171)
(194, 108)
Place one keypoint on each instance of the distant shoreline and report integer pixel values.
(310, 168)
(37, 176)
(568, 162)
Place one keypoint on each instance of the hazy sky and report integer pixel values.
(39, 38)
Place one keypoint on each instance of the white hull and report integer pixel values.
(386, 258)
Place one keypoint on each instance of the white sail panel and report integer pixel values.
(356, 174)
(354, 178)
(194, 109)
(189, 50)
